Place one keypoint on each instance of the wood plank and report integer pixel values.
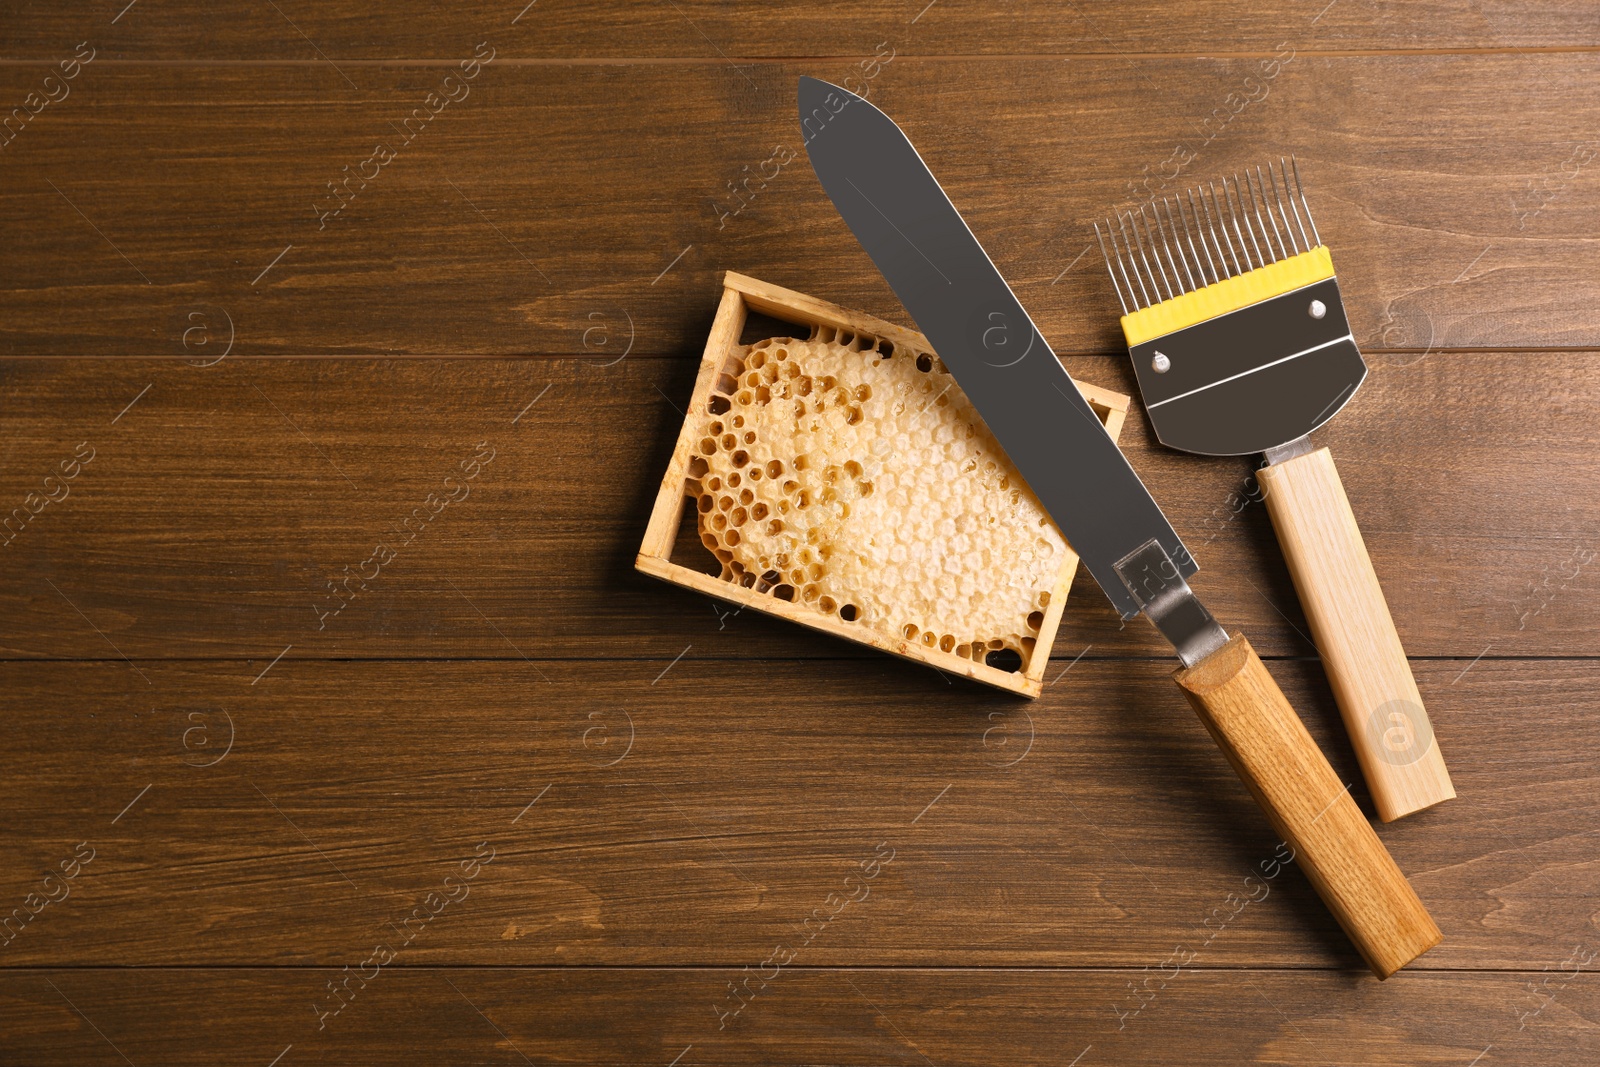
(802, 1016)
(339, 32)
(221, 503)
(554, 208)
(245, 745)
(654, 813)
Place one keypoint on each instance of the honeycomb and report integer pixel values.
(859, 481)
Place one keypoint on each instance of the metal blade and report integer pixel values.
(947, 282)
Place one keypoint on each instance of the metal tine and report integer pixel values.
(1212, 206)
(1131, 265)
(1282, 212)
(1261, 187)
(1107, 257)
(1237, 269)
(1191, 264)
(1284, 165)
(1194, 253)
(1207, 245)
(1224, 207)
(1154, 252)
(1249, 229)
(1155, 209)
(1128, 244)
(1235, 209)
(1244, 219)
(1111, 268)
(1239, 195)
(1303, 203)
(1250, 196)
(1169, 240)
(1136, 257)
(1241, 254)
(1200, 228)
(1125, 264)
(1266, 204)
(1215, 277)
(1259, 227)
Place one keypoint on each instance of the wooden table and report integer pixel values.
(492, 797)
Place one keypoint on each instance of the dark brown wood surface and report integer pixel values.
(217, 509)
(547, 211)
(673, 804)
(860, 1016)
(565, 30)
(592, 818)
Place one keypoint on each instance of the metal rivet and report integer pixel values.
(1161, 364)
(1318, 309)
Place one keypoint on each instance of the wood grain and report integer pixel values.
(284, 642)
(700, 29)
(862, 1016)
(220, 505)
(749, 793)
(563, 209)
(1354, 633)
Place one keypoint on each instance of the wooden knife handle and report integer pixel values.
(1309, 806)
(1355, 635)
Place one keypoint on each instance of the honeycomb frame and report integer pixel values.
(742, 294)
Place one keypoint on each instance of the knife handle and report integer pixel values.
(1355, 635)
(1252, 722)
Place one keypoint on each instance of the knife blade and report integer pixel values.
(940, 272)
(922, 245)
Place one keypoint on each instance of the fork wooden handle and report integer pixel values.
(1355, 635)
(1251, 721)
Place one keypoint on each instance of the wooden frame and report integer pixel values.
(740, 295)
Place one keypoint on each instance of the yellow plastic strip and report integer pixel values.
(1230, 294)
